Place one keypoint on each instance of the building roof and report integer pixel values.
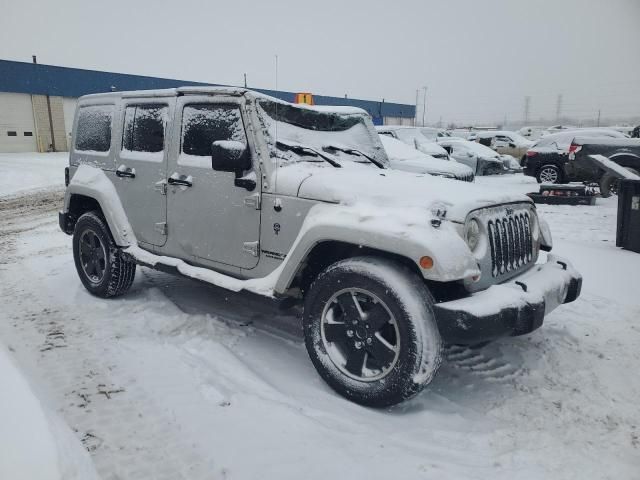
(40, 79)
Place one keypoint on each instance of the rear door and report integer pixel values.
(209, 217)
(141, 166)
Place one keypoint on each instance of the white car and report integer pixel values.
(504, 142)
(403, 157)
(414, 137)
(481, 159)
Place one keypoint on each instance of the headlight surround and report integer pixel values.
(472, 234)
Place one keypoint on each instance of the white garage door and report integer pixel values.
(69, 107)
(17, 129)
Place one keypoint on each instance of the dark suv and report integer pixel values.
(547, 158)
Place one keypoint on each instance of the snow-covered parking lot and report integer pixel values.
(178, 379)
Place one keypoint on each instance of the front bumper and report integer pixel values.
(516, 307)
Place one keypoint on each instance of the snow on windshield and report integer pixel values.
(319, 130)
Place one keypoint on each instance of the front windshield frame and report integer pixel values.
(320, 130)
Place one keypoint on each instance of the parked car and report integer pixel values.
(505, 142)
(577, 166)
(247, 192)
(403, 157)
(532, 132)
(414, 137)
(482, 160)
(547, 158)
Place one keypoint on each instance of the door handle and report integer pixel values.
(124, 171)
(180, 180)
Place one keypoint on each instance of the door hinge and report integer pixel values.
(251, 247)
(161, 228)
(161, 187)
(253, 201)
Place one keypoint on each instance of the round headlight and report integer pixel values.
(472, 234)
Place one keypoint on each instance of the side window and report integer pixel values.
(387, 134)
(94, 128)
(203, 124)
(144, 128)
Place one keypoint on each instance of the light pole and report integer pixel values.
(424, 104)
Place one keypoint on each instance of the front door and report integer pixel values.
(209, 217)
(141, 166)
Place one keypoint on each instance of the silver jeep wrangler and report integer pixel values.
(247, 192)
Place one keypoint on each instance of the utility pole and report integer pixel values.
(558, 108)
(424, 104)
(598, 117)
(415, 120)
(527, 108)
(245, 80)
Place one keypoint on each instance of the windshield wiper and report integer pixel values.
(308, 151)
(353, 151)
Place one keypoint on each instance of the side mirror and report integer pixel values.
(512, 145)
(470, 154)
(229, 156)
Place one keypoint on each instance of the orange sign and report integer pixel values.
(304, 98)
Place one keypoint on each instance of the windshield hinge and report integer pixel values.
(251, 247)
(253, 201)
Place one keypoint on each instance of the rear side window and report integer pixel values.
(203, 124)
(94, 128)
(144, 128)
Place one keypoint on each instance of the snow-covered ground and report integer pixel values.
(21, 172)
(178, 379)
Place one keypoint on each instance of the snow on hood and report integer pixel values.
(362, 183)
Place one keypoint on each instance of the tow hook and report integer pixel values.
(522, 285)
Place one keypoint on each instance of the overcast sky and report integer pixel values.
(479, 59)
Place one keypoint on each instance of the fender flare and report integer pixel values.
(92, 182)
(346, 224)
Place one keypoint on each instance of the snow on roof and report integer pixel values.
(234, 91)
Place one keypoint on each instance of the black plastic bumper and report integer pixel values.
(63, 221)
(509, 309)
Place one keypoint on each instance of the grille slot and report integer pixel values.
(510, 242)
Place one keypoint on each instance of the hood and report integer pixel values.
(363, 183)
(431, 165)
(431, 148)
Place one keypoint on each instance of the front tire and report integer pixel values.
(101, 265)
(549, 173)
(370, 331)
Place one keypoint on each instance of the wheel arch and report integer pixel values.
(91, 189)
(328, 252)
(626, 159)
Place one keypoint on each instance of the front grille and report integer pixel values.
(467, 177)
(510, 239)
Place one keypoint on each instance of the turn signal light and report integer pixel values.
(426, 262)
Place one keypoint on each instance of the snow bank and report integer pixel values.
(35, 443)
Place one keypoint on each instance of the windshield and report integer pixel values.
(331, 132)
(409, 135)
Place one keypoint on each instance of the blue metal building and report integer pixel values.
(53, 82)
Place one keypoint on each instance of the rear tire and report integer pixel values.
(370, 331)
(609, 183)
(101, 265)
(549, 173)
